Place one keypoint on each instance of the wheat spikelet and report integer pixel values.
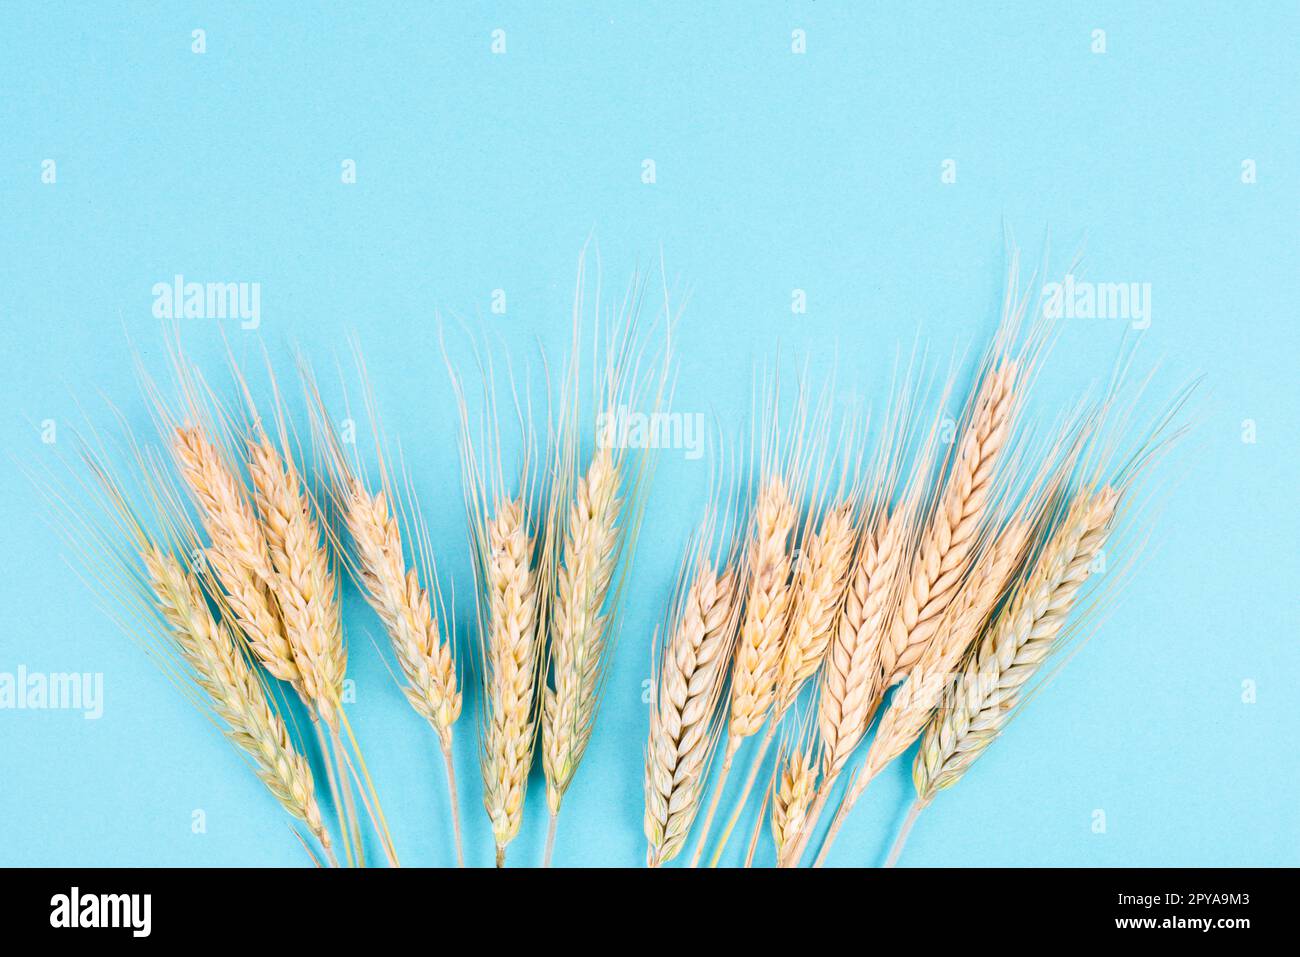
(393, 590)
(238, 552)
(946, 549)
(304, 581)
(511, 651)
(818, 592)
(229, 681)
(850, 686)
(1013, 648)
(578, 636)
(758, 650)
(790, 800)
(692, 671)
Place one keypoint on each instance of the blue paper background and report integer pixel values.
(775, 172)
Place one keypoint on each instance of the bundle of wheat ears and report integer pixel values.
(918, 580)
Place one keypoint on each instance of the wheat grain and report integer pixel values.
(238, 551)
(692, 671)
(512, 665)
(946, 549)
(579, 636)
(304, 581)
(1013, 648)
(225, 675)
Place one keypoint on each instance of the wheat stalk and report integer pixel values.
(1013, 648)
(238, 552)
(791, 799)
(579, 636)
(512, 667)
(946, 549)
(304, 582)
(927, 679)
(225, 675)
(692, 671)
(758, 648)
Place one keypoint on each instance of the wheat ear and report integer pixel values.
(579, 636)
(1013, 648)
(946, 548)
(758, 652)
(818, 593)
(394, 591)
(851, 678)
(758, 649)
(850, 685)
(791, 799)
(692, 671)
(238, 552)
(227, 678)
(928, 679)
(819, 581)
(512, 666)
(304, 581)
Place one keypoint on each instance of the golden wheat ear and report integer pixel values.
(504, 547)
(126, 547)
(999, 675)
(850, 685)
(600, 523)
(830, 487)
(792, 796)
(766, 561)
(289, 575)
(998, 551)
(689, 673)
(391, 563)
(201, 435)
